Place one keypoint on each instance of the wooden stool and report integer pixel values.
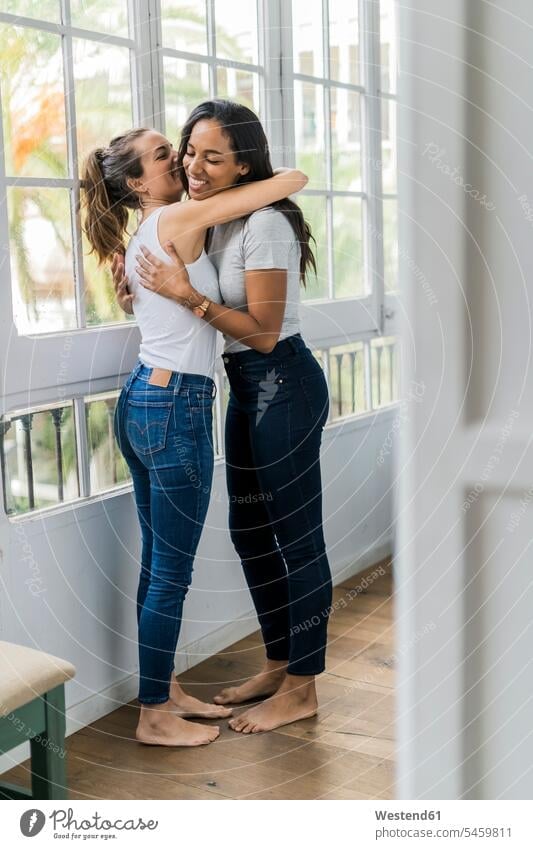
(32, 707)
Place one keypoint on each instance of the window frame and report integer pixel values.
(34, 364)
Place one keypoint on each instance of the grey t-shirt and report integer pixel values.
(264, 239)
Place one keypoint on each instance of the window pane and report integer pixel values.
(388, 145)
(41, 259)
(240, 86)
(46, 10)
(347, 380)
(110, 16)
(384, 371)
(388, 44)
(186, 85)
(33, 106)
(319, 357)
(314, 210)
(347, 248)
(390, 244)
(103, 93)
(39, 458)
(101, 305)
(236, 30)
(345, 140)
(107, 465)
(343, 41)
(307, 33)
(309, 131)
(183, 25)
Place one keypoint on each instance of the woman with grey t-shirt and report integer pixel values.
(277, 410)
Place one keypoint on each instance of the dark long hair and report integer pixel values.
(248, 140)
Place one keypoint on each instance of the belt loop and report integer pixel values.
(179, 381)
(132, 375)
(293, 343)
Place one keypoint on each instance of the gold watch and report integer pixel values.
(204, 306)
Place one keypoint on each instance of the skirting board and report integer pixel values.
(100, 704)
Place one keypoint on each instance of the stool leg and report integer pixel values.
(48, 766)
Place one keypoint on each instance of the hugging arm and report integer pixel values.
(225, 206)
(237, 201)
(267, 243)
(266, 294)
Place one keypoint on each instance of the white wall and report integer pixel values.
(82, 565)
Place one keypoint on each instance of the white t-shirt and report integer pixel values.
(172, 337)
(264, 239)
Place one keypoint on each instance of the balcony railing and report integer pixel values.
(62, 452)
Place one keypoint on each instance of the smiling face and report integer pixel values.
(160, 180)
(209, 162)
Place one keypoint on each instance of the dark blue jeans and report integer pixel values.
(165, 435)
(277, 410)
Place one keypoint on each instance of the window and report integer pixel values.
(62, 94)
(328, 145)
(202, 59)
(322, 76)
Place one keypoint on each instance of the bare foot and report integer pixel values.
(264, 684)
(159, 726)
(294, 700)
(190, 707)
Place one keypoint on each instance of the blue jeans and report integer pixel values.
(165, 435)
(277, 410)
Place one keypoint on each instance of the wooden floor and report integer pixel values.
(346, 752)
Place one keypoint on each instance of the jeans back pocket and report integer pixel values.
(147, 425)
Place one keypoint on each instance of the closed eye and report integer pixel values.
(211, 161)
(163, 152)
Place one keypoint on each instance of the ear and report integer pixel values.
(136, 185)
(244, 169)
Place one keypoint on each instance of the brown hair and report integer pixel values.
(107, 196)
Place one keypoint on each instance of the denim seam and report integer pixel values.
(296, 479)
(153, 701)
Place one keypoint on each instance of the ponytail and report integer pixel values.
(107, 196)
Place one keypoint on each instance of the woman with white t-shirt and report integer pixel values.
(163, 418)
